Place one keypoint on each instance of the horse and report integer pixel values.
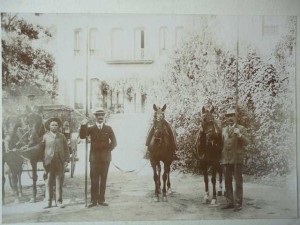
(208, 150)
(14, 161)
(160, 151)
(25, 142)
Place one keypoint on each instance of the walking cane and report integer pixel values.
(86, 112)
(236, 113)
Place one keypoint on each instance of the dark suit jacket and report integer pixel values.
(102, 142)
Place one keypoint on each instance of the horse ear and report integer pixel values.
(203, 109)
(212, 110)
(154, 107)
(164, 107)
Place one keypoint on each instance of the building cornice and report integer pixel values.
(134, 61)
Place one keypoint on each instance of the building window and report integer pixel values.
(79, 95)
(163, 39)
(178, 35)
(269, 26)
(118, 45)
(93, 41)
(140, 43)
(77, 41)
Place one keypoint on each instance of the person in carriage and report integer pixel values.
(161, 117)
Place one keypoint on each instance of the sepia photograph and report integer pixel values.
(153, 117)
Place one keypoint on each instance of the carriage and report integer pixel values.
(21, 134)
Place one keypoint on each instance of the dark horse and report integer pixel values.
(208, 151)
(24, 142)
(13, 160)
(160, 151)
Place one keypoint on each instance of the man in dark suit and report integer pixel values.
(103, 141)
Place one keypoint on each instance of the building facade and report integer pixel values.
(108, 60)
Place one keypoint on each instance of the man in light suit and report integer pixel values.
(235, 139)
(103, 141)
(56, 159)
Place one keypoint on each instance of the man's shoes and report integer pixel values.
(48, 206)
(228, 206)
(92, 205)
(238, 208)
(103, 203)
(60, 205)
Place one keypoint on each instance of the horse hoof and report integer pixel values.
(213, 202)
(205, 201)
(164, 199)
(170, 191)
(157, 199)
(32, 200)
(20, 195)
(17, 201)
(219, 193)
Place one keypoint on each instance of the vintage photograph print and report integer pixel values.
(148, 117)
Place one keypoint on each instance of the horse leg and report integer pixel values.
(20, 185)
(205, 175)
(213, 181)
(169, 190)
(165, 177)
(15, 187)
(155, 178)
(34, 179)
(220, 172)
(159, 177)
(3, 184)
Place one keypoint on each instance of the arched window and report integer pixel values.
(163, 32)
(139, 41)
(93, 41)
(77, 41)
(178, 35)
(78, 94)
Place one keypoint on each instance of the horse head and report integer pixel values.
(36, 128)
(13, 127)
(159, 127)
(209, 125)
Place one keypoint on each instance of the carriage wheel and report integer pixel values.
(73, 161)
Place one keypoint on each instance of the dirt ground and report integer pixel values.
(130, 198)
(131, 194)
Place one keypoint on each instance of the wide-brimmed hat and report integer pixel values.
(47, 124)
(230, 112)
(99, 112)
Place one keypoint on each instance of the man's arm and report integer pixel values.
(113, 140)
(244, 136)
(84, 131)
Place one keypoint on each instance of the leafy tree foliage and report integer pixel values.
(23, 63)
(203, 73)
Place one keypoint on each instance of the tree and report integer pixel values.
(203, 73)
(24, 65)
